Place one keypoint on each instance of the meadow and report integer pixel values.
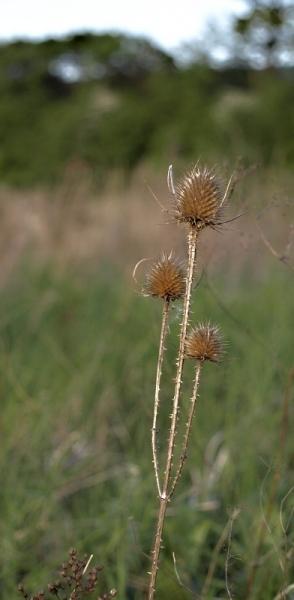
(78, 349)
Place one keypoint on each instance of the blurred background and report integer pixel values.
(96, 100)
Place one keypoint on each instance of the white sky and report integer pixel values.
(167, 23)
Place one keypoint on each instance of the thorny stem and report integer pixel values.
(181, 355)
(165, 494)
(188, 430)
(161, 350)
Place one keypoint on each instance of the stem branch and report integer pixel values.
(163, 333)
(188, 430)
(164, 497)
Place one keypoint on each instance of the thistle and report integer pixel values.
(166, 280)
(199, 199)
(205, 343)
(198, 202)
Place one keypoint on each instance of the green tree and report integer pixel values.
(264, 35)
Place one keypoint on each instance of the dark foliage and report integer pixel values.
(112, 101)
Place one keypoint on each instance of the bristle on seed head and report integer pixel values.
(198, 199)
(205, 343)
(166, 280)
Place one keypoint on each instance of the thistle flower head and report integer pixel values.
(198, 198)
(205, 343)
(166, 279)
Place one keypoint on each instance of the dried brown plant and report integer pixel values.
(205, 342)
(198, 201)
(76, 581)
(166, 280)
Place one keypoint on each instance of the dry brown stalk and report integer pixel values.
(284, 257)
(284, 593)
(164, 327)
(198, 202)
(164, 496)
(166, 280)
(181, 356)
(188, 429)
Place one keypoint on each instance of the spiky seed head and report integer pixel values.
(198, 198)
(166, 279)
(205, 342)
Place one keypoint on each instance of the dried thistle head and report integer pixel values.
(198, 198)
(205, 342)
(166, 280)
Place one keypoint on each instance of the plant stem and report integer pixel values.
(181, 355)
(164, 497)
(161, 350)
(188, 430)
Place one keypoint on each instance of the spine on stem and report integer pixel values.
(164, 496)
(198, 202)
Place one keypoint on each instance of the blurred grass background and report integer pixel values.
(77, 371)
(88, 124)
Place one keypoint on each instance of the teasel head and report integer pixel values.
(166, 279)
(205, 342)
(199, 198)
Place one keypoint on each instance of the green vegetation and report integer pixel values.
(78, 345)
(77, 360)
(109, 101)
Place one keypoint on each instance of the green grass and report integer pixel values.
(77, 368)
